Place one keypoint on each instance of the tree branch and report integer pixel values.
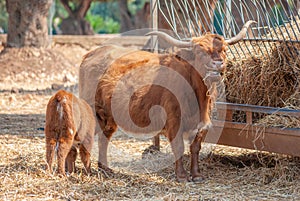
(84, 7)
(65, 3)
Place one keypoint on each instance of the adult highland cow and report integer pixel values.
(134, 87)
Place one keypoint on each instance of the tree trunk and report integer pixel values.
(142, 17)
(75, 24)
(125, 16)
(27, 23)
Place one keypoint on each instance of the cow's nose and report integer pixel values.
(219, 65)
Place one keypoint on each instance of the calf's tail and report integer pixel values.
(63, 109)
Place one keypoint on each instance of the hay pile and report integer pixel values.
(268, 74)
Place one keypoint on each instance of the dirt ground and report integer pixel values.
(28, 78)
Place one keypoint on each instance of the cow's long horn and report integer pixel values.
(241, 34)
(170, 39)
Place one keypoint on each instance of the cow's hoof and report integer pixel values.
(104, 169)
(183, 179)
(198, 179)
(61, 175)
(150, 150)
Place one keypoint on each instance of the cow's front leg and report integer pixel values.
(195, 149)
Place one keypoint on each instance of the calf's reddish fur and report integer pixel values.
(70, 124)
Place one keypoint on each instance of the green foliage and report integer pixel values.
(110, 26)
(102, 23)
(135, 5)
(95, 21)
(104, 17)
(278, 15)
(3, 16)
(60, 11)
(108, 9)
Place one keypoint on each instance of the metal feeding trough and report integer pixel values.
(252, 136)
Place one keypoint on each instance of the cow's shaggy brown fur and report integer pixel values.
(148, 67)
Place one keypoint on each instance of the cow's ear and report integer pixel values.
(186, 54)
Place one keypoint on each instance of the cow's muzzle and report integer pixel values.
(213, 72)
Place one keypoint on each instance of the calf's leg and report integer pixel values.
(50, 152)
(70, 161)
(64, 147)
(85, 151)
(85, 156)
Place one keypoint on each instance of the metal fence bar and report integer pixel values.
(154, 24)
(278, 21)
(252, 17)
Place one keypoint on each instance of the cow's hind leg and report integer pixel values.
(108, 127)
(103, 141)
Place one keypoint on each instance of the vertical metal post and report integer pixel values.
(228, 18)
(154, 24)
(154, 46)
(242, 11)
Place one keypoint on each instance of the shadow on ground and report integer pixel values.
(25, 125)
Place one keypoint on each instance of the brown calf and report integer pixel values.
(70, 124)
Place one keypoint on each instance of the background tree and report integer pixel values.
(131, 14)
(27, 23)
(134, 14)
(104, 17)
(75, 23)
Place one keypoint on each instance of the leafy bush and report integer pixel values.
(104, 17)
(3, 17)
(101, 25)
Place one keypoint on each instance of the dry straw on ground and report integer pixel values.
(231, 174)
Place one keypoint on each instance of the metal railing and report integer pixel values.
(278, 21)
